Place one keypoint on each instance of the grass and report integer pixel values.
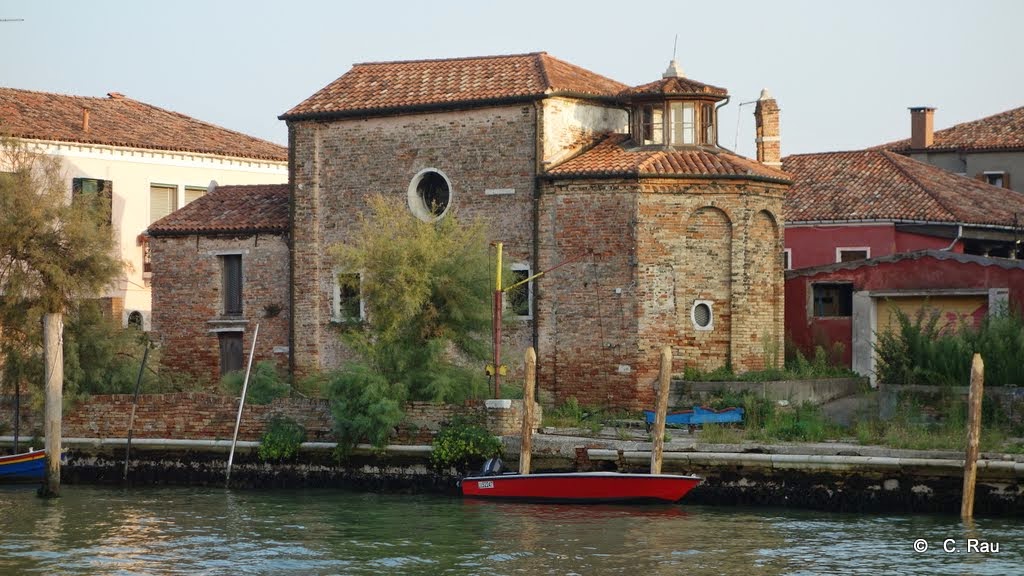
(822, 365)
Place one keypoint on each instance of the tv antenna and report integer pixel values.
(12, 19)
(675, 43)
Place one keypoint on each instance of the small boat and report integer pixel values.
(699, 415)
(580, 487)
(26, 467)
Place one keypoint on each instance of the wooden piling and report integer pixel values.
(53, 372)
(661, 409)
(526, 446)
(973, 436)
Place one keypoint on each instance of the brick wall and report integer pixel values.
(188, 300)
(338, 164)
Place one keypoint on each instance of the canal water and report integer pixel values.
(101, 530)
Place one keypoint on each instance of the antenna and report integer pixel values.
(739, 107)
(12, 19)
(674, 44)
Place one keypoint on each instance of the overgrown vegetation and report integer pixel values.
(464, 444)
(425, 290)
(767, 421)
(265, 384)
(923, 351)
(824, 364)
(281, 439)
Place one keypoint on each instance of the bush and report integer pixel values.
(281, 439)
(364, 406)
(265, 384)
(464, 444)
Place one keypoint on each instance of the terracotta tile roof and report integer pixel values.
(121, 121)
(381, 87)
(883, 185)
(1003, 131)
(250, 209)
(616, 156)
(674, 86)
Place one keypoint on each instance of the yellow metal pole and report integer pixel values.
(497, 323)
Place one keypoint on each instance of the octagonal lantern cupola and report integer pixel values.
(674, 111)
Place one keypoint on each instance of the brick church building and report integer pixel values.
(673, 239)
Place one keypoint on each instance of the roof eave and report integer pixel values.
(215, 231)
(653, 175)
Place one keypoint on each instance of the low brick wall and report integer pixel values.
(198, 416)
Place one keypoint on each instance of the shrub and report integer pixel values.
(281, 439)
(464, 444)
(265, 384)
(364, 406)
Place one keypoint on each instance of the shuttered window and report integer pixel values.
(192, 193)
(163, 200)
(232, 284)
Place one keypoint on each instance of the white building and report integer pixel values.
(145, 160)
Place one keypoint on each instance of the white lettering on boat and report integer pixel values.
(485, 484)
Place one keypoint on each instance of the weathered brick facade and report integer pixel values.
(188, 301)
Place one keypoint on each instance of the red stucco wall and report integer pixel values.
(816, 245)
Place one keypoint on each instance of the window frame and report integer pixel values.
(416, 202)
(841, 249)
(222, 337)
(787, 258)
(711, 315)
(520, 272)
(989, 174)
(336, 309)
(843, 288)
(230, 298)
(174, 196)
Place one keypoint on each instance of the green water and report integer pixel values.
(97, 530)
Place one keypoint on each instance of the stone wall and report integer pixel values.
(188, 311)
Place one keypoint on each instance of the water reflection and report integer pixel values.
(92, 530)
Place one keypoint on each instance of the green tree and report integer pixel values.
(425, 288)
(53, 252)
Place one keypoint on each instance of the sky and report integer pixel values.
(844, 73)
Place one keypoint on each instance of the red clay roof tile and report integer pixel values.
(247, 209)
(616, 156)
(1003, 131)
(120, 121)
(376, 87)
(883, 185)
(674, 86)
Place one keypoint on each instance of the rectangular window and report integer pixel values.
(683, 121)
(232, 284)
(520, 298)
(163, 200)
(833, 300)
(652, 124)
(192, 193)
(230, 351)
(787, 259)
(852, 254)
(348, 301)
(92, 190)
(996, 179)
(707, 121)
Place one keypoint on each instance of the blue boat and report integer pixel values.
(27, 467)
(699, 415)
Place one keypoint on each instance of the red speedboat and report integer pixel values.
(580, 487)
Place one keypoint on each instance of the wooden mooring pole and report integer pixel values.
(53, 372)
(661, 409)
(526, 447)
(973, 436)
(131, 419)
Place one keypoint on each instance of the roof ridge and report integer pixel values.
(194, 119)
(979, 120)
(450, 59)
(829, 152)
(63, 95)
(890, 157)
(544, 76)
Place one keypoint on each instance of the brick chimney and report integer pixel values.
(85, 119)
(921, 128)
(769, 145)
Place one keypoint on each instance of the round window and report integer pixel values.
(430, 194)
(701, 315)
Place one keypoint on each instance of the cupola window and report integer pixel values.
(675, 111)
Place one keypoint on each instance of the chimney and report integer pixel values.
(921, 128)
(766, 115)
(85, 119)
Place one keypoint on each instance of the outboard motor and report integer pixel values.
(493, 467)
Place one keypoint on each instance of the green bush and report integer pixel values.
(364, 406)
(265, 384)
(281, 439)
(464, 444)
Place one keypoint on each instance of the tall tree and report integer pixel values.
(53, 251)
(425, 290)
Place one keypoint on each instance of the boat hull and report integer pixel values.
(596, 487)
(27, 467)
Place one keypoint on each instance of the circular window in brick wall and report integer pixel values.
(430, 194)
(702, 315)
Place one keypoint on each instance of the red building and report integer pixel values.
(849, 303)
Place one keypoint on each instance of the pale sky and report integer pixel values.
(844, 73)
